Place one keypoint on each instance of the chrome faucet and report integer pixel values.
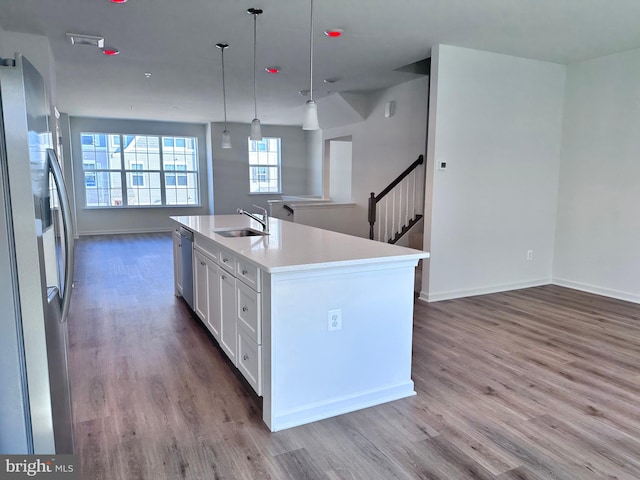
(265, 217)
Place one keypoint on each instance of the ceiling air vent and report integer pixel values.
(79, 39)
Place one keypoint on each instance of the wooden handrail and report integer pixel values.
(374, 199)
(401, 177)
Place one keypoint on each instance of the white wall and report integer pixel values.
(313, 139)
(231, 166)
(340, 167)
(496, 120)
(93, 221)
(598, 225)
(383, 147)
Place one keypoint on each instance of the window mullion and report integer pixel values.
(123, 173)
(163, 192)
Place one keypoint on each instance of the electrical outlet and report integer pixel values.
(334, 320)
(529, 254)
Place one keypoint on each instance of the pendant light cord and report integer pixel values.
(224, 93)
(255, 88)
(311, 56)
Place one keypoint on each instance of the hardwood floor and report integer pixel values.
(542, 383)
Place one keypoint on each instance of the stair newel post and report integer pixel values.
(372, 214)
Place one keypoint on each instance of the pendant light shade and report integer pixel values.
(311, 108)
(255, 132)
(226, 139)
(311, 116)
(226, 136)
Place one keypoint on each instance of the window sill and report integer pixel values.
(265, 193)
(143, 207)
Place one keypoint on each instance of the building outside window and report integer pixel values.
(139, 170)
(264, 165)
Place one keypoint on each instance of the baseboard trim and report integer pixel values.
(439, 296)
(606, 292)
(315, 412)
(124, 232)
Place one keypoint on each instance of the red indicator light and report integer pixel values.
(273, 69)
(110, 51)
(334, 32)
(118, 1)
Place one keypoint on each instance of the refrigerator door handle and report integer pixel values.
(67, 222)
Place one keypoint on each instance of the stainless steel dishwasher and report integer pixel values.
(186, 255)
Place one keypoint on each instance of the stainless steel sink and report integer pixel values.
(244, 232)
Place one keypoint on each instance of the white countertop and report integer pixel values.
(292, 246)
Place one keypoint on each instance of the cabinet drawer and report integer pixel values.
(227, 260)
(250, 360)
(249, 311)
(207, 247)
(249, 274)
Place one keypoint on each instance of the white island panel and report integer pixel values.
(317, 373)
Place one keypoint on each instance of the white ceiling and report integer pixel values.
(175, 41)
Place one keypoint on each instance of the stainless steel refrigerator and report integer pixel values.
(36, 268)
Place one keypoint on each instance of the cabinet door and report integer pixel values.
(250, 360)
(202, 285)
(228, 339)
(214, 317)
(177, 264)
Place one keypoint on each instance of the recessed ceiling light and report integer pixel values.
(330, 80)
(110, 51)
(334, 32)
(147, 74)
(273, 69)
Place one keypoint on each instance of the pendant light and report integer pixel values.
(255, 132)
(311, 107)
(226, 136)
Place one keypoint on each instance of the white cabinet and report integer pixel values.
(177, 263)
(214, 313)
(228, 332)
(249, 311)
(250, 360)
(201, 287)
(207, 291)
(229, 302)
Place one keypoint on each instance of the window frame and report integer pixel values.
(264, 166)
(133, 175)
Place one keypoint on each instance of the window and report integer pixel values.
(147, 170)
(264, 165)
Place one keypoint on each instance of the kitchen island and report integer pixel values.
(319, 323)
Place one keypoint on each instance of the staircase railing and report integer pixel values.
(396, 208)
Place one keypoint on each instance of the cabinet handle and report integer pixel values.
(201, 263)
(224, 277)
(244, 309)
(225, 260)
(244, 272)
(245, 357)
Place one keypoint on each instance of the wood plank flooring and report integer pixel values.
(536, 384)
